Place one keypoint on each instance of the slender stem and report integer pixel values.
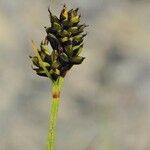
(56, 89)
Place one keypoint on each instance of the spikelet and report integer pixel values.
(65, 35)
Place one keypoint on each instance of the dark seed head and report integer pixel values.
(66, 36)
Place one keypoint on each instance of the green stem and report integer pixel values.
(56, 89)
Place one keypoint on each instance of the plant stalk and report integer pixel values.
(56, 90)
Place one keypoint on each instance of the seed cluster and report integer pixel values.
(66, 37)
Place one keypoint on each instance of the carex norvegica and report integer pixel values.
(65, 35)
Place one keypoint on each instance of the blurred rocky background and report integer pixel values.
(105, 101)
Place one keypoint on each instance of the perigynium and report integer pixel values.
(65, 35)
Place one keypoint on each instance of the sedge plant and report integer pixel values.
(65, 36)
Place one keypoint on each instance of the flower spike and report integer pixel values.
(65, 35)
